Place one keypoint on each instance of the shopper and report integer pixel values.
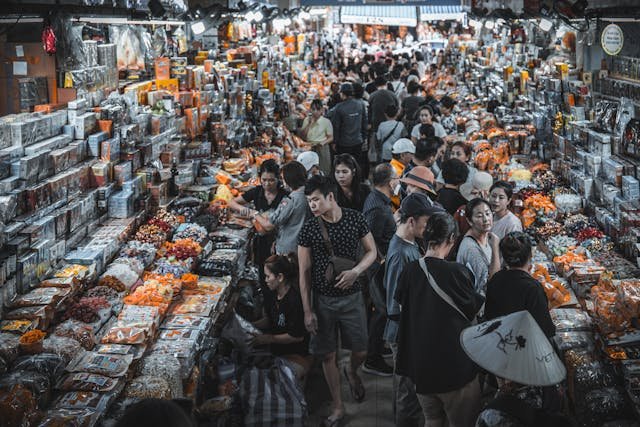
(504, 221)
(389, 132)
(351, 191)
(334, 97)
(349, 123)
(447, 118)
(438, 300)
(396, 85)
(479, 248)
(379, 215)
(514, 289)
(332, 237)
(283, 324)
(415, 211)
(455, 174)
(311, 163)
(265, 197)
(462, 151)
(478, 188)
(292, 211)
(378, 102)
(420, 179)
(318, 132)
(411, 104)
(425, 115)
(402, 154)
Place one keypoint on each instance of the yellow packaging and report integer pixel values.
(171, 85)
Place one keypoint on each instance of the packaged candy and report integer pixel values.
(48, 364)
(145, 252)
(84, 381)
(163, 366)
(146, 387)
(69, 418)
(121, 334)
(136, 351)
(65, 347)
(41, 296)
(89, 310)
(60, 282)
(574, 340)
(123, 274)
(9, 346)
(180, 334)
(84, 400)
(36, 382)
(570, 319)
(73, 270)
(111, 365)
(18, 326)
(42, 314)
(79, 331)
(186, 321)
(18, 407)
(133, 263)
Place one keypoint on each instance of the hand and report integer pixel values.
(346, 279)
(260, 339)
(494, 241)
(311, 322)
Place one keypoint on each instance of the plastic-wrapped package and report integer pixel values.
(106, 292)
(183, 350)
(60, 282)
(84, 381)
(84, 400)
(129, 47)
(89, 310)
(79, 331)
(42, 314)
(574, 340)
(48, 364)
(145, 252)
(110, 365)
(123, 273)
(181, 334)
(606, 404)
(18, 407)
(570, 319)
(136, 351)
(133, 263)
(69, 418)
(222, 262)
(147, 387)
(65, 347)
(18, 326)
(140, 316)
(159, 42)
(119, 333)
(191, 231)
(185, 321)
(36, 382)
(9, 347)
(172, 266)
(163, 366)
(197, 305)
(586, 373)
(41, 296)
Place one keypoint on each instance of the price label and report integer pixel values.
(612, 39)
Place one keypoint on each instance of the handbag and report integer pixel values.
(442, 294)
(337, 264)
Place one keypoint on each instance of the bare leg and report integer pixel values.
(357, 359)
(332, 375)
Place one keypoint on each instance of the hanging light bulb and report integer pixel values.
(198, 27)
(258, 16)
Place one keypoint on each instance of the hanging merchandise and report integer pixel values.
(159, 42)
(181, 39)
(49, 39)
(129, 47)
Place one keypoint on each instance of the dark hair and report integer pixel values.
(427, 130)
(286, 265)
(472, 204)
(391, 110)
(294, 174)
(349, 161)
(508, 188)
(269, 166)
(441, 228)
(413, 87)
(316, 104)
(323, 184)
(418, 55)
(465, 147)
(395, 74)
(380, 81)
(426, 107)
(454, 172)
(358, 90)
(155, 413)
(382, 174)
(515, 249)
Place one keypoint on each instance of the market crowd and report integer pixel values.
(385, 240)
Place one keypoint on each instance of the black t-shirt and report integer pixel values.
(287, 317)
(345, 238)
(410, 106)
(256, 195)
(451, 199)
(357, 200)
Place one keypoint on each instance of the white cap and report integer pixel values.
(514, 347)
(403, 145)
(309, 159)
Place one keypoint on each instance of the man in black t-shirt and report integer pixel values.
(336, 305)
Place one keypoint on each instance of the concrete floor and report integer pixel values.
(374, 411)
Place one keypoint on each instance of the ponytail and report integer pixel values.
(287, 265)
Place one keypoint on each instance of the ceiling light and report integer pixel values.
(198, 27)
(258, 16)
(545, 25)
(249, 16)
(304, 15)
(489, 25)
(287, 21)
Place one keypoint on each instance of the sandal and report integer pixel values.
(331, 422)
(357, 389)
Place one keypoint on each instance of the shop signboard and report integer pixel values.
(612, 39)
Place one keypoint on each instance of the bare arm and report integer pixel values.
(304, 265)
(237, 204)
(346, 279)
(494, 266)
(276, 339)
(265, 223)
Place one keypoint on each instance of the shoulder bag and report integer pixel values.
(337, 264)
(386, 138)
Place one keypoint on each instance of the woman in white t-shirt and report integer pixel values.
(461, 151)
(318, 131)
(425, 115)
(504, 221)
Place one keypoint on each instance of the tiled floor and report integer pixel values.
(374, 411)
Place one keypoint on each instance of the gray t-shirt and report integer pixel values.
(505, 225)
(388, 136)
(477, 258)
(289, 218)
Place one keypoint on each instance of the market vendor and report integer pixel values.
(283, 324)
(318, 132)
(504, 221)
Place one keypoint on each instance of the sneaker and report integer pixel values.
(387, 353)
(377, 367)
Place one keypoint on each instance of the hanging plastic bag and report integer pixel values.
(49, 39)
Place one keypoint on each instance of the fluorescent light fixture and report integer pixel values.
(489, 24)
(304, 15)
(545, 25)
(198, 27)
(249, 16)
(318, 11)
(258, 16)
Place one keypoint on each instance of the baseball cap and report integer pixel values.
(308, 159)
(421, 177)
(482, 181)
(403, 145)
(417, 204)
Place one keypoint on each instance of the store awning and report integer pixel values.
(379, 15)
(441, 13)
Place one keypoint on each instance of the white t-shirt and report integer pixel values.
(439, 130)
(384, 131)
(507, 224)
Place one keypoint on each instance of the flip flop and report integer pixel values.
(357, 390)
(331, 422)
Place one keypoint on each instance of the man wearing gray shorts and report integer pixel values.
(330, 308)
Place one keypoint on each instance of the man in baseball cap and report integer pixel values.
(420, 179)
(402, 153)
(311, 162)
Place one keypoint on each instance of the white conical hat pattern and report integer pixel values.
(514, 347)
